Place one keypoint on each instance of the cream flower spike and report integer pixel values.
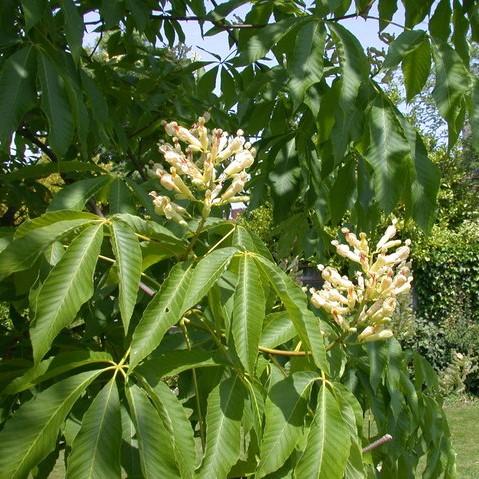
(364, 307)
(206, 167)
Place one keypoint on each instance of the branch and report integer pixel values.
(382, 440)
(26, 133)
(367, 17)
(281, 352)
(223, 26)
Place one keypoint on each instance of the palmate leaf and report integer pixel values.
(387, 152)
(416, 68)
(250, 242)
(285, 411)
(278, 329)
(156, 452)
(327, 449)
(68, 285)
(295, 303)
(31, 434)
(402, 46)
(127, 251)
(248, 312)
(17, 90)
(96, 448)
(163, 311)
(223, 428)
(73, 28)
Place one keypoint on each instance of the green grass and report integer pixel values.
(464, 423)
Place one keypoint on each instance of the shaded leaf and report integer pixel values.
(402, 46)
(285, 411)
(327, 449)
(416, 68)
(73, 28)
(223, 428)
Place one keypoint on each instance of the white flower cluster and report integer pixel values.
(212, 165)
(366, 305)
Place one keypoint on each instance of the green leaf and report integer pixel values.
(327, 449)
(73, 28)
(249, 241)
(306, 65)
(223, 428)
(163, 311)
(54, 366)
(156, 452)
(17, 90)
(176, 420)
(386, 10)
(120, 198)
(440, 22)
(453, 81)
(206, 273)
(127, 251)
(342, 191)
(260, 43)
(354, 64)
(31, 433)
(172, 363)
(387, 151)
(416, 11)
(68, 285)
(33, 11)
(278, 329)
(96, 448)
(402, 46)
(248, 312)
(55, 105)
(416, 67)
(475, 115)
(35, 237)
(460, 36)
(295, 303)
(285, 412)
(75, 195)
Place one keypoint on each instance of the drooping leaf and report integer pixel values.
(206, 273)
(33, 11)
(416, 11)
(38, 421)
(452, 83)
(73, 28)
(75, 196)
(306, 65)
(17, 90)
(96, 448)
(120, 198)
(285, 411)
(55, 105)
(248, 312)
(416, 67)
(68, 285)
(156, 452)
(34, 237)
(475, 115)
(327, 449)
(402, 46)
(342, 191)
(223, 428)
(163, 311)
(54, 366)
(386, 10)
(295, 303)
(127, 251)
(387, 151)
(439, 24)
(354, 64)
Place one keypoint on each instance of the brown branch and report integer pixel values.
(366, 17)
(382, 440)
(223, 26)
(26, 133)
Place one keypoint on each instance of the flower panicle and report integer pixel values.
(203, 166)
(368, 303)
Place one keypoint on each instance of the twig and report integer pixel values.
(26, 133)
(382, 440)
(281, 352)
